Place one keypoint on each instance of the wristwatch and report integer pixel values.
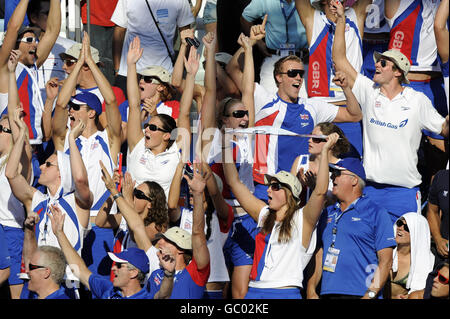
(119, 194)
(372, 294)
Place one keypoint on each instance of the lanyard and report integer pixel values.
(286, 17)
(338, 218)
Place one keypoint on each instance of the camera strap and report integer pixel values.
(159, 30)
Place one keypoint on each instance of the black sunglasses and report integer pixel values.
(238, 114)
(401, 223)
(294, 72)
(27, 40)
(275, 186)
(154, 128)
(75, 107)
(48, 164)
(318, 140)
(336, 173)
(70, 62)
(119, 265)
(149, 79)
(140, 195)
(442, 279)
(5, 129)
(33, 266)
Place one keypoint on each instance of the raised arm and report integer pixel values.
(112, 110)
(251, 204)
(75, 262)
(178, 68)
(10, 37)
(209, 101)
(184, 125)
(351, 113)
(134, 128)
(117, 44)
(174, 194)
(339, 52)
(306, 13)
(59, 123)
(52, 90)
(440, 30)
(360, 8)
(248, 78)
(314, 206)
(134, 221)
(51, 32)
(199, 248)
(83, 195)
(19, 185)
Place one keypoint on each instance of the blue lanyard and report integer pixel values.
(338, 218)
(286, 17)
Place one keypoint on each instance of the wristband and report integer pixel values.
(119, 194)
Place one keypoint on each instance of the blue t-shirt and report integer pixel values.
(59, 294)
(362, 230)
(279, 13)
(102, 288)
(188, 283)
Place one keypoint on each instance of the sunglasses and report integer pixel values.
(5, 129)
(48, 164)
(383, 62)
(119, 265)
(70, 62)
(149, 79)
(401, 223)
(442, 279)
(293, 73)
(154, 128)
(336, 173)
(75, 107)
(238, 114)
(318, 140)
(33, 266)
(140, 195)
(28, 40)
(275, 186)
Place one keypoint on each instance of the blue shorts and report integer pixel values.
(209, 13)
(5, 260)
(435, 91)
(395, 199)
(98, 242)
(14, 239)
(268, 293)
(240, 244)
(212, 295)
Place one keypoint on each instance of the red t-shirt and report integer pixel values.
(101, 12)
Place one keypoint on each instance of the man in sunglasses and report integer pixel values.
(357, 239)
(34, 51)
(394, 116)
(129, 269)
(94, 143)
(285, 110)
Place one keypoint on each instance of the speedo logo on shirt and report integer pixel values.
(388, 124)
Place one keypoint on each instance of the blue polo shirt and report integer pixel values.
(362, 230)
(276, 22)
(59, 294)
(102, 288)
(188, 284)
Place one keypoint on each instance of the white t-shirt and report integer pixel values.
(392, 132)
(136, 18)
(143, 165)
(282, 263)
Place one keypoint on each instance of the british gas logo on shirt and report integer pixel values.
(388, 124)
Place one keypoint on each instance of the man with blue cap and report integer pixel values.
(95, 144)
(357, 239)
(129, 268)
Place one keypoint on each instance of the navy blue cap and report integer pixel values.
(89, 99)
(135, 256)
(351, 164)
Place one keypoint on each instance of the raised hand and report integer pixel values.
(340, 79)
(86, 48)
(166, 260)
(13, 60)
(331, 141)
(52, 88)
(31, 220)
(57, 219)
(186, 33)
(209, 40)
(258, 32)
(134, 51)
(192, 63)
(245, 42)
(337, 8)
(128, 186)
(18, 119)
(106, 178)
(198, 182)
(77, 130)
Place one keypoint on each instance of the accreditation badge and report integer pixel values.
(331, 259)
